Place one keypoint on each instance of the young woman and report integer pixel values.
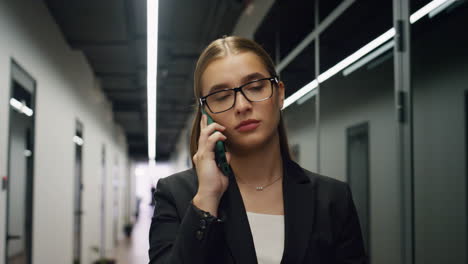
(269, 210)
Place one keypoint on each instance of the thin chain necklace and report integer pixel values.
(260, 188)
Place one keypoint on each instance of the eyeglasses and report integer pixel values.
(254, 91)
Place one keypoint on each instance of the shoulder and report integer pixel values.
(186, 177)
(180, 185)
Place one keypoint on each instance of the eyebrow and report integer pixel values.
(251, 77)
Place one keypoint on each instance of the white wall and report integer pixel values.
(66, 90)
(181, 159)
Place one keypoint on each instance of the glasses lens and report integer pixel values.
(220, 101)
(255, 91)
(258, 91)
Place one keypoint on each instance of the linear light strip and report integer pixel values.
(441, 8)
(152, 63)
(389, 34)
(369, 57)
(357, 55)
(16, 104)
(21, 107)
(306, 97)
(301, 92)
(78, 140)
(426, 10)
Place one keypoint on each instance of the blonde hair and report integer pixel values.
(221, 48)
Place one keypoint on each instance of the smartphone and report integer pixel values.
(220, 152)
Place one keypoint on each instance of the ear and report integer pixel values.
(281, 94)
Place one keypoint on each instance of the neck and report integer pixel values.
(260, 166)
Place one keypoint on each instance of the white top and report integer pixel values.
(268, 237)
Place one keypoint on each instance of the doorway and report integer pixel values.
(358, 174)
(19, 218)
(78, 209)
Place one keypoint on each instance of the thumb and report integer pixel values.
(228, 157)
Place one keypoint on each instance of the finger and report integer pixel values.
(203, 121)
(228, 157)
(207, 131)
(209, 144)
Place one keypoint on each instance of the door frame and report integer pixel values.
(30, 175)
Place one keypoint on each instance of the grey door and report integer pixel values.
(358, 174)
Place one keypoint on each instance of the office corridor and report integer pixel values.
(93, 113)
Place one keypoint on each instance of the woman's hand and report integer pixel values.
(212, 183)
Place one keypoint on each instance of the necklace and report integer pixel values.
(260, 188)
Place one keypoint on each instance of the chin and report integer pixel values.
(249, 142)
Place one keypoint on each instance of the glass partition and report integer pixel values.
(357, 120)
(440, 83)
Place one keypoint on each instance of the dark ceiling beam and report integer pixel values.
(80, 44)
(137, 143)
(130, 28)
(126, 107)
(184, 56)
(131, 75)
(134, 135)
(83, 44)
(132, 89)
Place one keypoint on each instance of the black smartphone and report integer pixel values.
(220, 152)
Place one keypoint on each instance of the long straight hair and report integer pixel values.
(221, 48)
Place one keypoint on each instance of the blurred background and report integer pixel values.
(377, 96)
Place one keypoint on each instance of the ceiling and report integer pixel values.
(112, 36)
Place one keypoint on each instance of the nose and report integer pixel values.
(242, 104)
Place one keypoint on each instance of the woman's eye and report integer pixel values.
(222, 97)
(256, 88)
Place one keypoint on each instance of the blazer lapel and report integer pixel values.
(299, 208)
(236, 227)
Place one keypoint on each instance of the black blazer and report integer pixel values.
(321, 223)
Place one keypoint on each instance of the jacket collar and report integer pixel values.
(299, 208)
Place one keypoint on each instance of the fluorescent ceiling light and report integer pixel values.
(426, 10)
(374, 54)
(440, 8)
(27, 111)
(389, 34)
(340, 66)
(21, 107)
(298, 94)
(16, 104)
(357, 55)
(151, 72)
(306, 97)
(78, 140)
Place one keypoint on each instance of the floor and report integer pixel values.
(135, 249)
(18, 259)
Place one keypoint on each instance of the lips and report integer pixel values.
(248, 125)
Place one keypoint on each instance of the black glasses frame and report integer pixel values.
(273, 80)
